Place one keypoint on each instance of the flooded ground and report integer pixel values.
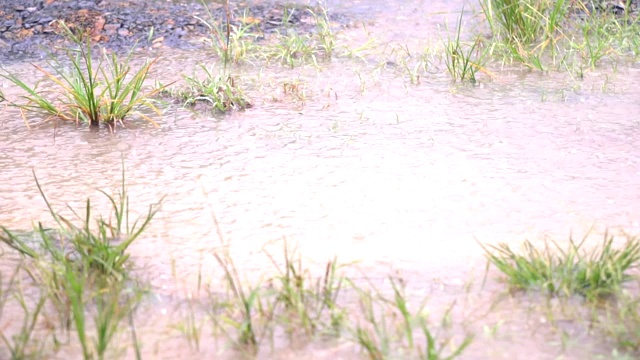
(371, 169)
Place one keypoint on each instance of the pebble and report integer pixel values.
(111, 29)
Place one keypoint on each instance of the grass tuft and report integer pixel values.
(594, 274)
(94, 93)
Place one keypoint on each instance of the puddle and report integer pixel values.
(392, 176)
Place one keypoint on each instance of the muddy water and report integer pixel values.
(384, 173)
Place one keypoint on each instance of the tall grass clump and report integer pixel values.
(593, 273)
(517, 21)
(599, 35)
(93, 89)
(525, 29)
(565, 34)
(524, 22)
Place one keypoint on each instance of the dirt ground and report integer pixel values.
(28, 28)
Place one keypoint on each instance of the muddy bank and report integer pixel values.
(28, 27)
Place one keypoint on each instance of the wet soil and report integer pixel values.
(28, 28)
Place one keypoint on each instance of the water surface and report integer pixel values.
(394, 177)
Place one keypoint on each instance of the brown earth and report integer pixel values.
(28, 28)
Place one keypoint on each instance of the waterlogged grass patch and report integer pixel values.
(101, 249)
(82, 270)
(301, 307)
(292, 302)
(89, 92)
(378, 334)
(593, 273)
(308, 304)
(216, 88)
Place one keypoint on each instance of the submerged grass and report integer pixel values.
(243, 311)
(594, 274)
(309, 306)
(103, 250)
(83, 272)
(463, 62)
(95, 294)
(389, 328)
(304, 308)
(233, 43)
(219, 89)
(620, 322)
